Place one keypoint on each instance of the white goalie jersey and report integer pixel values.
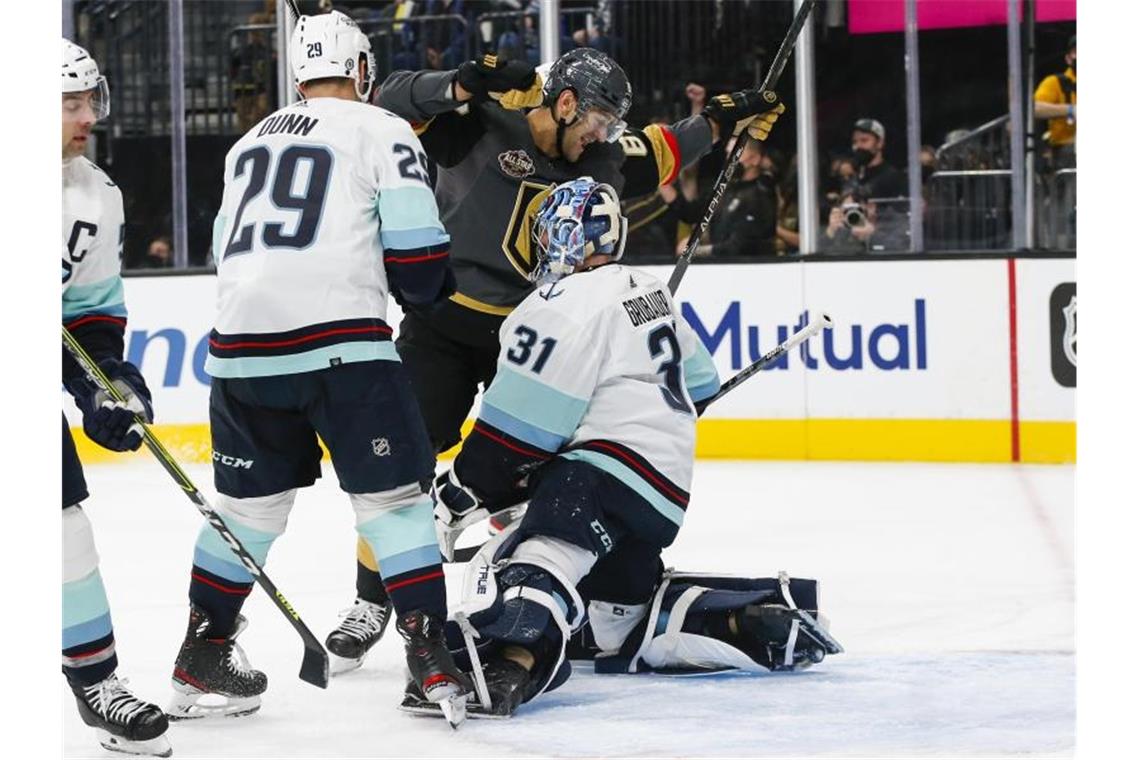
(600, 366)
(326, 211)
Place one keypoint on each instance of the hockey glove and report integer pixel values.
(752, 109)
(458, 498)
(107, 422)
(456, 508)
(491, 74)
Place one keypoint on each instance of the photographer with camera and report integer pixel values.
(856, 225)
(873, 175)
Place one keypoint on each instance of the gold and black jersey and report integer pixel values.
(492, 178)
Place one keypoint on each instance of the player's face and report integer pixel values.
(78, 118)
(594, 126)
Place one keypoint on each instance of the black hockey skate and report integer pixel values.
(433, 675)
(784, 638)
(508, 685)
(361, 628)
(216, 668)
(123, 722)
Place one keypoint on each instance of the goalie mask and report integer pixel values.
(578, 219)
(81, 75)
(332, 45)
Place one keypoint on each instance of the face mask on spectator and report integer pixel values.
(862, 156)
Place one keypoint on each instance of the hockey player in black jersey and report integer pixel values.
(502, 138)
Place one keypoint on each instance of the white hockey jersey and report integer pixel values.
(601, 367)
(326, 202)
(92, 247)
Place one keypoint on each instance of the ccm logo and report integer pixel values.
(229, 461)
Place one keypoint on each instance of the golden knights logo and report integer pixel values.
(1063, 334)
(516, 163)
(516, 241)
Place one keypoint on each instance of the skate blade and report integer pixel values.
(425, 709)
(156, 747)
(197, 705)
(338, 665)
(454, 710)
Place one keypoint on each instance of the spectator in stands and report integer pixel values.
(253, 71)
(876, 178)
(159, 254)
(788, 210)
(599, 35)
(857, 225)
(745, 222)
(1056, 100)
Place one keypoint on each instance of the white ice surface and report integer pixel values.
(950, 586)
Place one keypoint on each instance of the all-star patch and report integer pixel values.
(516, 163)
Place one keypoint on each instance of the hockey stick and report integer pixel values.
(783, 53)
(798, 337)
(823, 321)
(315, 664)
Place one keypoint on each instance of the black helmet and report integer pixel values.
(595, 78)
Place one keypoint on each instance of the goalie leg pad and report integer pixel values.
(708, 623)
(523, 592)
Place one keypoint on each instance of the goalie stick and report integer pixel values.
(812, 328)
(315, 663)
(783, 53)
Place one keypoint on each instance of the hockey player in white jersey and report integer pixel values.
(95, 313)
(592, 415)
(326, 213)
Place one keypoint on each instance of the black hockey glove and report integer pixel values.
(458, 498)
(490, 73)
(107, 422)
(753, 109)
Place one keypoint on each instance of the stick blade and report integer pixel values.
(315, 666)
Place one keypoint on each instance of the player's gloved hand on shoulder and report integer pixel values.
(492, 74)
(752, 109)
(107, 422)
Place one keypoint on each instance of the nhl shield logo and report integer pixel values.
(1063, 334)
(1069, 339)
(380, 447)
(516, 163)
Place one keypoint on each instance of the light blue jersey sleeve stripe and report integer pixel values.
(513, 426)
(309, 361)
(534, 403)
(701, 377)
(84, 600)
(91, 630)
(408, 208)
(410, 240)
(668, 509)
(103, 297)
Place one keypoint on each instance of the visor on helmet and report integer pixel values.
(97, 100)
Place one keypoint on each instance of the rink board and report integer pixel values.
(929, 360)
